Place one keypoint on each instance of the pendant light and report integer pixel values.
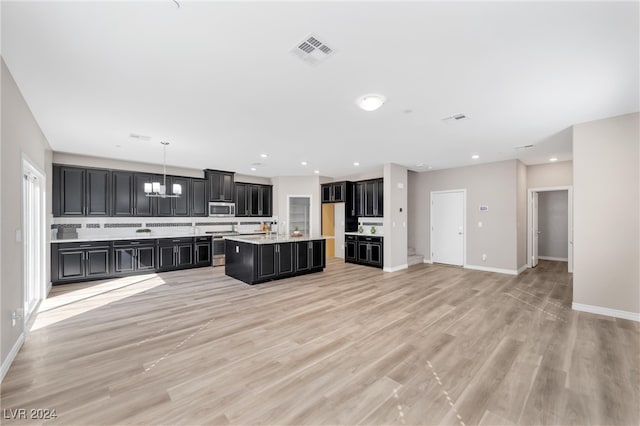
(159, 190)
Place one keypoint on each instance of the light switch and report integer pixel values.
(479, 224)
(18, 236)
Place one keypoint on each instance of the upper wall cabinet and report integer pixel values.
(335, 192)
(221, 186)
(122, 193)
(175, 206)
(368, 198)
(81, 192)
(199, 197)
(253, 200)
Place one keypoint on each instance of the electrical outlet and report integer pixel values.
(484, 257)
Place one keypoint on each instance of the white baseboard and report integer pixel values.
(557, 259)
(395, 268)
(632, 316)
(490, 269)
(428, 261)
(523, 268)
(11, 356)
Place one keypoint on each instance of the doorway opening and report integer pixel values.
(33, 236)
(299, 214)
(550, 225)
(448, 233)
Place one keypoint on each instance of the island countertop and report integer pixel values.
(273, 239)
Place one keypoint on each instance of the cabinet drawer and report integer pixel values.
(203, 239)
(86, 245)
(370, 239)
(133, 243)
(351, 237)
(173, 241)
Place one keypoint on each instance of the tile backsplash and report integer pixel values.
(367, 223)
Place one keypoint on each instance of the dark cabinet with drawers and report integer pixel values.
(80, 261)
(81, 191)
(253, 200)
(364, 250)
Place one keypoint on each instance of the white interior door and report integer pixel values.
(447, 227)
(535, 230)
(33, 238)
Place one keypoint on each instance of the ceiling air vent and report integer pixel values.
(312, 50)
(456, 118)
(523, 147)
(138, 137)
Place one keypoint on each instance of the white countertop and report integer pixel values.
(365, 234)
(264, 239)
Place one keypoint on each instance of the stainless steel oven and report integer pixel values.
(222, 209)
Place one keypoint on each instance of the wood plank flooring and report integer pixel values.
(352, 345)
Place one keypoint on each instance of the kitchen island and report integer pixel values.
(256, 259)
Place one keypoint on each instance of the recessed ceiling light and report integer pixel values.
(356, 164)
(253, 169)
(420, 165)
(475, 156)
(316, 171)
(430, 167)
(371, 102)
(263, 155)
(304, 163)
(552, 159)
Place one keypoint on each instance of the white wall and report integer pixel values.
(606, 179)
(550, 174)
(553, 224)
(395, 216)
(284, 186)
(492, 184)
(21, 135)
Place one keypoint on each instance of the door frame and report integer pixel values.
(530, 239)
(289, 197)
(41, 290)
(464, 223)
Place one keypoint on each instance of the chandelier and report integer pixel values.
(159, 190)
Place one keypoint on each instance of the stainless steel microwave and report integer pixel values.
(222, 209)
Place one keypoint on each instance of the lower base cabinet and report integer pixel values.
(364, 250)
(75, 262)
(256, 263)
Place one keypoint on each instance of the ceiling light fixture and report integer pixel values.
(553, 159)
(159, 190)
(475, 156)
(304, 163)
(253, 169)
(263, 155)
(316, 171)
(371, 102)
(356, 164)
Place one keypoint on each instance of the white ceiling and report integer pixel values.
(218, 80)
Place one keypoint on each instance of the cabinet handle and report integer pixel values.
(135, 242)
(85, 245)
(176, 241)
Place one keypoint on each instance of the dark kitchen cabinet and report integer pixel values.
(175, 253)
(175, 206)
(143, 205)
(80, 261)
(372, 198)
(132, 256)
(359, 198)
(199, 197)
(364, 250)
(122, 193)
(310, 255)
(221, 185)
(202, 251)
(69, 191)
(253, 200)
(350, 251)
(335, 192)
(97, 193)
(80, 192)
(276, 260)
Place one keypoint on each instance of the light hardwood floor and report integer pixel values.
(352, 345)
